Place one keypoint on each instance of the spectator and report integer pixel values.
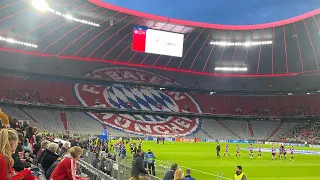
(188, 175)
(44, 144)
(18, 164)
(137, 165)
(13, 123)
(239, 174)
(4, 119)
(18, 155)
(150, 157)
(179, 175)
(96, 160)
(170, 174)
(64, 148)
(8, 144)
(66, 169)
(49, 156)
(25, 125)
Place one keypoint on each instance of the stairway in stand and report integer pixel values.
(63, 119)
(250, 129)
(275, 131)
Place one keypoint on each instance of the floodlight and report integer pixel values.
(68, 16)
(41, 5)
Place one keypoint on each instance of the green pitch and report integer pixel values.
(201, 159)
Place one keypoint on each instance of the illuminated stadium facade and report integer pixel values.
(98, 32)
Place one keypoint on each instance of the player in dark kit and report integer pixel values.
(285, 152)
(259, 151)
(218, 150)
(132, 145)
(140, 144)
(280, 151)
(227, 150)
(273, 152)
(251, 151)
(291, 153)
(238, 151)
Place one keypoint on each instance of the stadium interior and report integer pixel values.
(68, 67)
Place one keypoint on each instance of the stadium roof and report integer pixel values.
(295, 46)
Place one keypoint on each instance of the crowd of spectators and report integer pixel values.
(236, 105)
(307, 132)
(264, 106)
(27, 154)
(28, 95)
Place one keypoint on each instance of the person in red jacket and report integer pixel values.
(8, 144)
(67, 167)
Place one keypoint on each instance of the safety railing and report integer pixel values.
(113, 169)
(92, 173)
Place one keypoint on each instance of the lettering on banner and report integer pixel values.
(162, 131)
(155, 80)
(126, 124)
(141, 76)
(182, 123)
(91, 89)
(177, 96)
(175, 127)
(128, 75)
(114, 75)
(138, 127)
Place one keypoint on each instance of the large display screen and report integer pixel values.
(157, 42)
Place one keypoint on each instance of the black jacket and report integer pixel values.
(169, 175)
(18, 164)
(36, 148)
(138, 166)
(48, 158)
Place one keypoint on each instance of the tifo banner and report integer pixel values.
(138, 99)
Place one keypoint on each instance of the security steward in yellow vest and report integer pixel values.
(239, 174)
(150, 157)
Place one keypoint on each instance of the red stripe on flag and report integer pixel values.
(139, 40)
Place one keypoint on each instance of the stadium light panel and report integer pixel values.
(235, 69)
(40, 5)
(68, 16)
(43, 6)
(225, 43)
(13, 41)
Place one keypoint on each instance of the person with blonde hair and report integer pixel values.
(49, 156)
(4, 119)
(179, 174)
(8, 144)
(66, 169)
(170, 174)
